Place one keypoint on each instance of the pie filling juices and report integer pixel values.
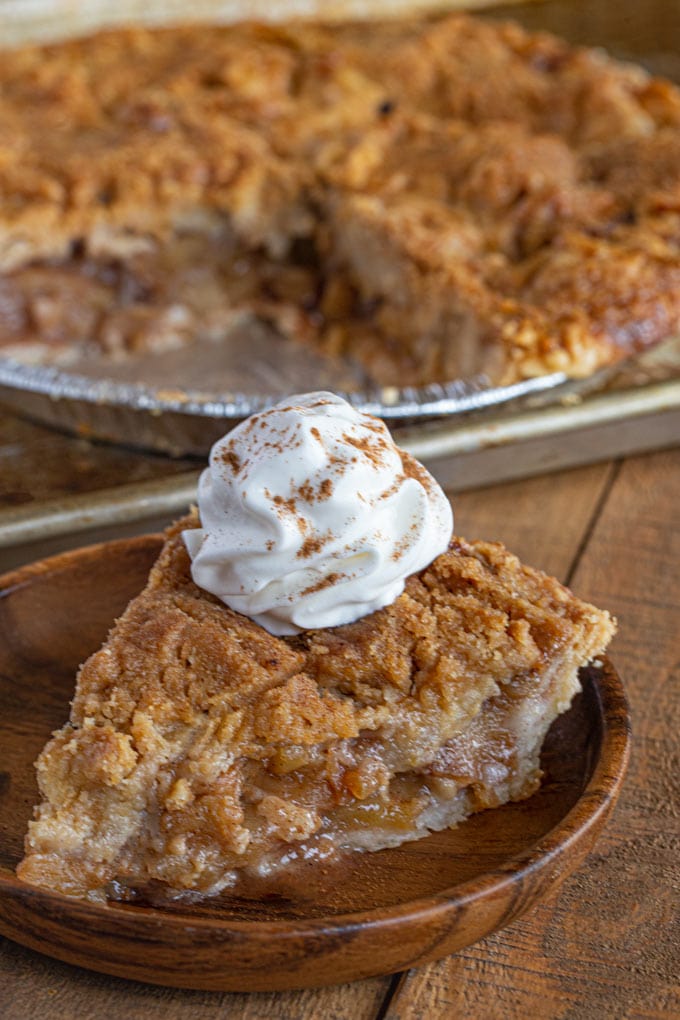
(316, 667)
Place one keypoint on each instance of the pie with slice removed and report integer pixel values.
(431, 198)
(200, 747)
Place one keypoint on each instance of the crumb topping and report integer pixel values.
(432, 198)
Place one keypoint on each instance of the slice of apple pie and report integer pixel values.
(199, 744)
(314, 665)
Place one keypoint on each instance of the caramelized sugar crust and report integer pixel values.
(200, 745)
(431, 198)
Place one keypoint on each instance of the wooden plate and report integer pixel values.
(369, 914)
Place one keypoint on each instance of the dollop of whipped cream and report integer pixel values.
(312, 517)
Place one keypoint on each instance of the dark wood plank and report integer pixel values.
(542, 520)
(34, 986)
(607, 945)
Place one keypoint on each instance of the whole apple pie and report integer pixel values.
(431, 199)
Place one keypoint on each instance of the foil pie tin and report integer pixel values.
(181, 419)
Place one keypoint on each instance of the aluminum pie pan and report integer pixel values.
(185, 422)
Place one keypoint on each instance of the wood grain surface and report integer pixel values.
(606, 946)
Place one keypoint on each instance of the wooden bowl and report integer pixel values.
(368, 914)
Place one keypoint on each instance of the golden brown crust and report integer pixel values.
(130, 132)
(471, 197)
(200, 744)
(509, 238)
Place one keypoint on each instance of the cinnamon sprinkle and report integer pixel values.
(322, 583)
(231, 459)
(404, 543)
(288, 507)
(394, 487)
(313, 545)
(372, 450)
(413, 469)
(316, 494)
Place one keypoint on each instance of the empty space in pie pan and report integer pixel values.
(255, 368)
(182, 422)
(319, 923)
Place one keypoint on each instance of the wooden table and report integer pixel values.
(606, 945)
